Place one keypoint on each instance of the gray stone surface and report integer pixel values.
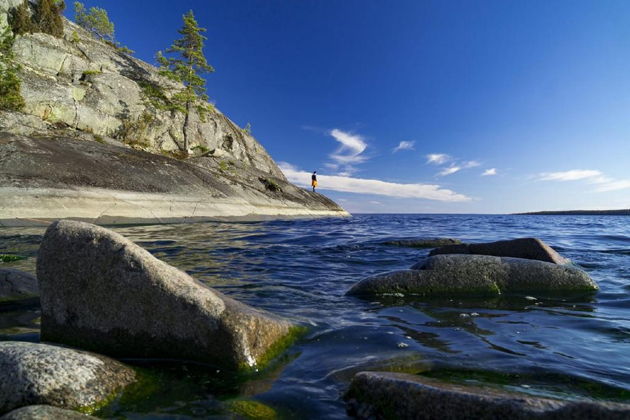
(528, 248)
(403, 396)
(423, 242)
(16, 284)
(33, 374)
(44, 412)
(101, 292)
(477, 275)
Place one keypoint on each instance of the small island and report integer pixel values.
(622, 212)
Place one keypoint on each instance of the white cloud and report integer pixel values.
(572, 175)
(489, 172)
(352, 145)
(372, 186)
(471, 164)
(438, 158)
(404, 145)
(603, 182)
(449, 171)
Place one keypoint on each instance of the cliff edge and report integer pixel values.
(99, 139)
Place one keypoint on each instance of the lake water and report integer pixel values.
(301, 269)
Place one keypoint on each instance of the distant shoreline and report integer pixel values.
(623, 212)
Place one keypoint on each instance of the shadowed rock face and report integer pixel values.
(33, 373)
(15, 284)
(528, 248)
(477, 275)
(404, 396)
(100, 291)
(44, 412)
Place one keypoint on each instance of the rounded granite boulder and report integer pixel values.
(16, 285)
(44, 412)
(101, 292)
(477, 275)
(32, 373)
(404, 396)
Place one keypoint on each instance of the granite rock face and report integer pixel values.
(44, 412)
(101, 292)
(528, 248)
(404, 396)
(477, 275)
(33, 374)
(423, 242)
(16, 284)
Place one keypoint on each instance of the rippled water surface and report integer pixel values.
(301, 269)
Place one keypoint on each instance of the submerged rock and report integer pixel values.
(477, 275)
(44, 412)
(423, 242)
(404, 396)
(528, 248)
(32, 373)
(102, 292)
(16, 284)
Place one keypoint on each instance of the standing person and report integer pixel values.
(314, 180)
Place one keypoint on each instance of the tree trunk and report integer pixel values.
(186, 122)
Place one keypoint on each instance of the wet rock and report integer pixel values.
(477, 275)
(44, 412)
(100, 291)
(528, 248)
(404, 396)
(423, 242)
(32, 373)
(16, 284)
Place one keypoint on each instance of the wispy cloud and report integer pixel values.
(404, 145)
(438, 158)
(449, 171)
(572, 175)
(592, 176)
(489, 172)
(349, 153)
(372, 186)
(471, 164)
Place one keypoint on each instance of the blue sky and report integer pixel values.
(403, 106)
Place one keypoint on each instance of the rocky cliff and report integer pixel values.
(99, 129)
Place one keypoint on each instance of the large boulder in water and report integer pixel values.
(404, 396)
(528, 248)
(32, 373)
(102, 292)
(477, 275)
(16, 285)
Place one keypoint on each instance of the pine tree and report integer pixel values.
(47, 17)
(187, 65)
(20, 19)
(10, 97)
(95, 21)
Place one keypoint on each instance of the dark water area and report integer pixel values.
(562, 347)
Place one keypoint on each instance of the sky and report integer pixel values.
(420, 106)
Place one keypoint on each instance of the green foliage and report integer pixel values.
(188, 61)
(47, 17)
(5, 258)
(133, 131)
(10, 97)
(20, 19)
(270, 184)
(247, 129)
(202, 149)
(95, 21)
(75, 37)
(88, 73)
(253, 410)
(154, 95)
(98, 138)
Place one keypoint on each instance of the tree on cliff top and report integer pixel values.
(48, 17)
(186, 66)
(95, 21)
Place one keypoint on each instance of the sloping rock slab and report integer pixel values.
(477, 275)
(423, 242)
(528, 248)
(16, 284)
(404, 396)
(102, 292)
(44, 412)
(32, 373)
